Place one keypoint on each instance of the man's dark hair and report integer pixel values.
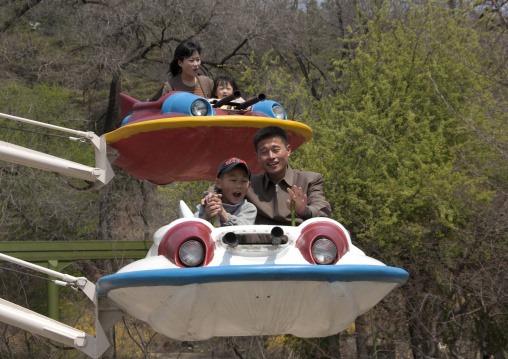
(270, 132)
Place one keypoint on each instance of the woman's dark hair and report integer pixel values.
(224, 80)
(184, 50)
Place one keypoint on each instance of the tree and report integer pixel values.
(391, 150)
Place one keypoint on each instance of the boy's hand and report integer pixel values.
(213, 206)
(206, 198)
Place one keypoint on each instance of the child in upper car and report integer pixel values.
(223, 86)
(228, 205)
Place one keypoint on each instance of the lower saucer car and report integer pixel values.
(198, 281)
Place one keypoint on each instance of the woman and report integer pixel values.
(184, 71)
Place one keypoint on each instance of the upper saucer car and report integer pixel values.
(198, 281)
(183, 137)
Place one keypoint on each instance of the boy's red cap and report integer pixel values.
(229, 164)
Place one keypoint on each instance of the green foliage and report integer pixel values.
(45, 103)
(289, 345)
(403, 150)
(276, 82)
(189, 192)
(43, 215)
(388, 144)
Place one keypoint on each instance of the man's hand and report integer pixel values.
(300, 199)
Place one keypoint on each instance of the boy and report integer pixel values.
(229, 205)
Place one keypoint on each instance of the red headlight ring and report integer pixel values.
(317, 230)
(182, 232)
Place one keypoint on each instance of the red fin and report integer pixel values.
(126, 104)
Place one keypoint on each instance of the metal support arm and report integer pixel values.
(100, 175)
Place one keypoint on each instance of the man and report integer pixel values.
(273, 191)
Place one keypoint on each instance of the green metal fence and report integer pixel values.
(56, 255)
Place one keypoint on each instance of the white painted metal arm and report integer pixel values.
(100, 175)
(13, 314)
(82, 283)
(23, 318)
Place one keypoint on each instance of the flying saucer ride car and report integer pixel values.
(183, 137)
(198, 281)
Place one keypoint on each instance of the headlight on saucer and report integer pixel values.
(324, 251)
(191, 253)
(279, 112)
(199, 108)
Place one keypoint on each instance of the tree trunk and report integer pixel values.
(362, 336)
(113, 120)
(105, 213)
